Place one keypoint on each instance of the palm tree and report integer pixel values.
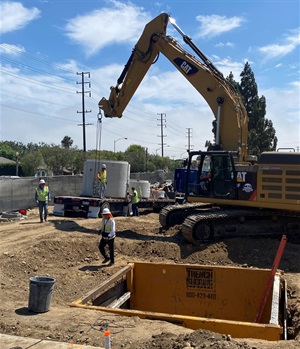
(67, 142)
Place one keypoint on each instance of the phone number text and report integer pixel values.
(201, 295)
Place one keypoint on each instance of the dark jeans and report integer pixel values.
(111, 245)
(135, 209)
(43, 209)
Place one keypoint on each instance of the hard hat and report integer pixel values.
(106, 211)
(42, 181)
(103, 166)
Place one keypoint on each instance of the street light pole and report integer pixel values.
(159, 149)
(117, 141)
(183, 153)
(17, 163)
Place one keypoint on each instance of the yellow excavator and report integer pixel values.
(230, 193)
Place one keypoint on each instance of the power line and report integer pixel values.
(34, 81)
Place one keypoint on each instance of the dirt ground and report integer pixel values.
(66, 249)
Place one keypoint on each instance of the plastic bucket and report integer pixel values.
(40, 293)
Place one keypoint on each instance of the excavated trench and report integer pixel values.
(220, 299)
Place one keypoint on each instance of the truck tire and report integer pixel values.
(104, 205)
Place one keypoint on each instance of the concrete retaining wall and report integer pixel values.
(18, 193)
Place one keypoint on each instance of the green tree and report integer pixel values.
(57, 158)
(67, 142)
(136, 156)
(12, 150)
(6, 151)
(31, 161)
(261, 133)
(33, 146)
(234, 84)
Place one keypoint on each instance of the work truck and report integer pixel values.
(90, 205)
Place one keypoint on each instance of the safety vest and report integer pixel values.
(42, 194)
(106, 228)
(102, 176)
(135, 199)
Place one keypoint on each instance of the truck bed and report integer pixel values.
(91, 207)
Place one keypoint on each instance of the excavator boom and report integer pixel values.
(143, 55)
(224, 101)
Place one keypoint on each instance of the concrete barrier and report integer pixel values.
(18, 193)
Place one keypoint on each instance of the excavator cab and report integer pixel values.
(216, 176)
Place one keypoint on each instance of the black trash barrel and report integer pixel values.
(40, 293)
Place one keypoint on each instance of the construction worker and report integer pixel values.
(108, 232)
(42, 197)
(102, 175)
(135, 202)
(205, 179)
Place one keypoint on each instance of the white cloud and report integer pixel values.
(283, 107)
(211, 26)
(11, 50)
(224, 44)
(70, 66)
(226, 65)
(15, 16)
(117, 24)
(288, 45)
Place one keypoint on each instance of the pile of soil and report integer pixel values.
(67, 249)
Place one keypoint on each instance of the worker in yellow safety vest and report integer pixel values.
(102, 178)
(42, 198)
(135, 201)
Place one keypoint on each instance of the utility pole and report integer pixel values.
(189, 136)
(83, 106)
(146, 153)
(162, 125)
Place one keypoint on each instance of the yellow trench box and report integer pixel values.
(216, 298)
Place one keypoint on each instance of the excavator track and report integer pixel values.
(175, 214)
(226, 223)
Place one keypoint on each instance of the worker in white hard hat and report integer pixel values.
(102, 178)
(42, 198)
(108, 234)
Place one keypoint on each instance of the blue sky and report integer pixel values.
(44, 44)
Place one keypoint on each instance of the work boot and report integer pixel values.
(106, 259)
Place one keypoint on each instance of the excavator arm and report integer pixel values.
(144, 54)
(225, 103)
